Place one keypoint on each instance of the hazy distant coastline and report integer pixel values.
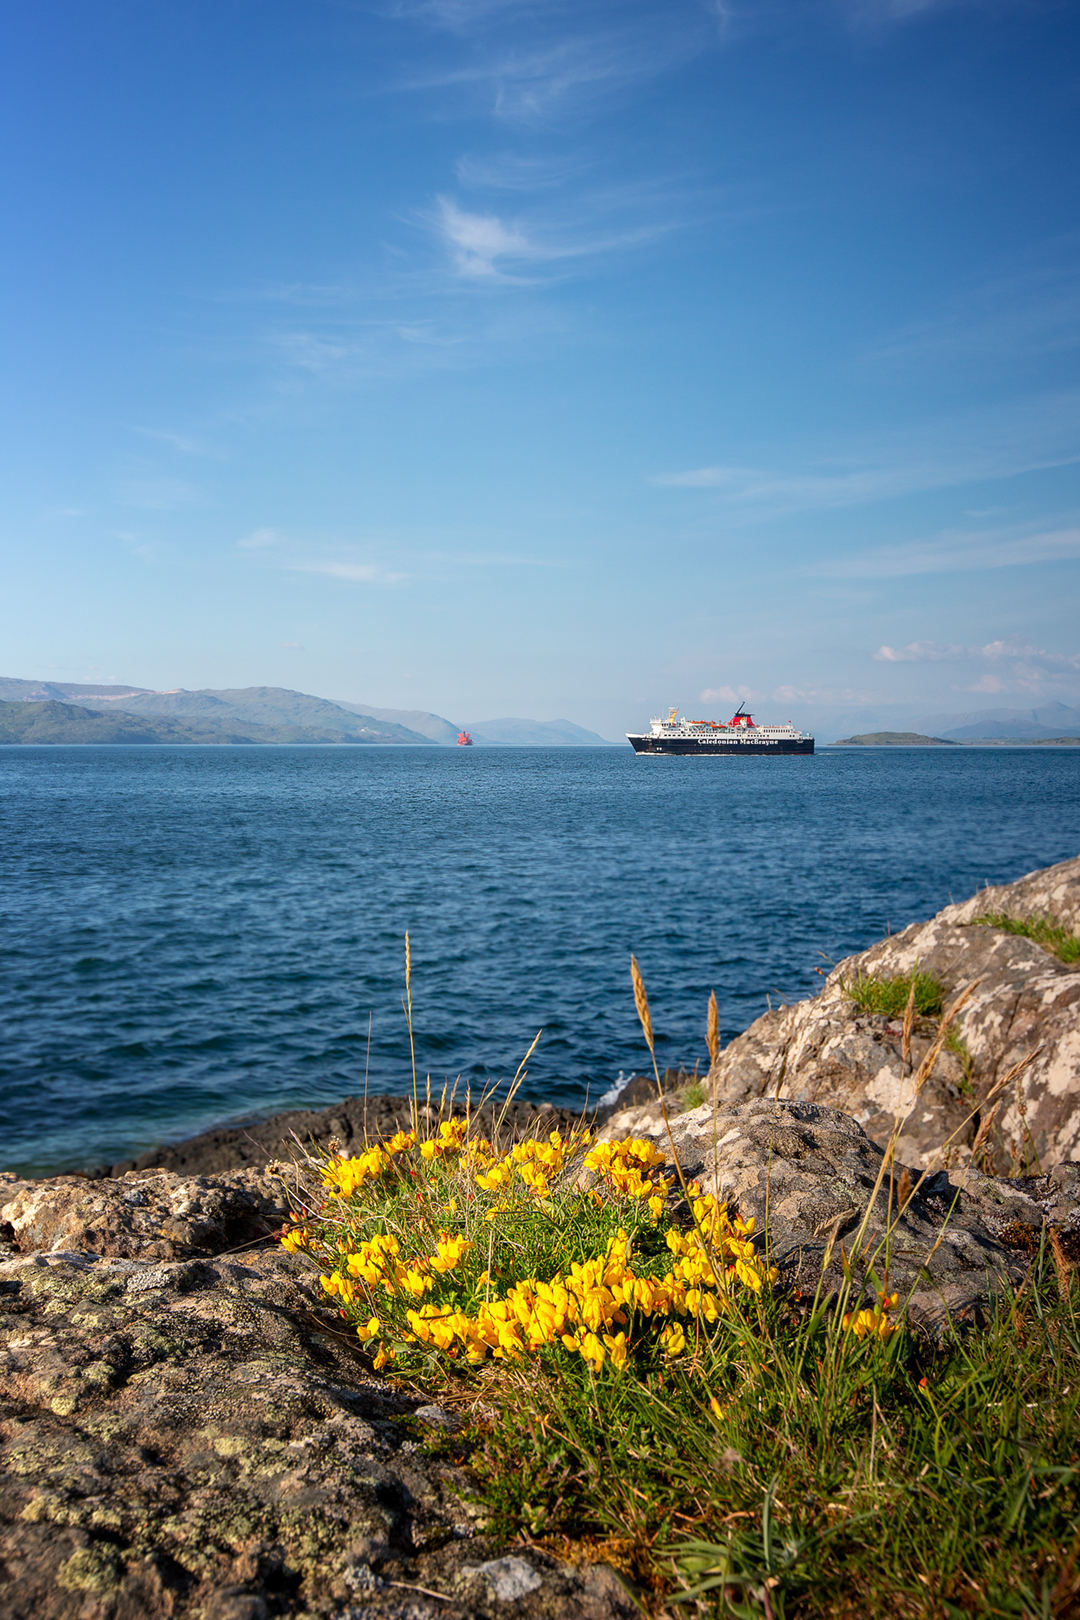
(914, 739)
(37, 712)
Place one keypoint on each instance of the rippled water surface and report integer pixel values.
(193, 935)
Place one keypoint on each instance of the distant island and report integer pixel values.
(894, 739)
(916, 739)
(36, 712)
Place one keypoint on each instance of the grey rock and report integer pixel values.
(199, 1438)
(437, 1417)
(174, 1216)
(510, 1578)
(1026, 1005)
(807, 1175)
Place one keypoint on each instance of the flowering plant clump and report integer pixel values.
(447, 1246)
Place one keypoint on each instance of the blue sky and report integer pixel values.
(546, 359)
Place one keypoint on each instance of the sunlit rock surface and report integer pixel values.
(1026, 1004)
(186, 1432)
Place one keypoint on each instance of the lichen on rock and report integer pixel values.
(1024, 1009)
(190, 1434)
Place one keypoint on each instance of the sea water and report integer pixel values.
(197, 935)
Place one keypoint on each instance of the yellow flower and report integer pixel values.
(749, 1275)
(495, 1178)
(369, 1330)
(617, 1349)
(414, 1281)
(592, 1351)
(339, 1285)
(385, 1354)
(875, 1323)
(673, 1340)
(449, 1251)
(346, 1176)
(627, 1166)
(449, 1140)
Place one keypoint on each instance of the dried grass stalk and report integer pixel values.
(712, 1029)
(641, 1002)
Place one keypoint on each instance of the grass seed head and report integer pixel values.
(641, 1002)
(712, 1029)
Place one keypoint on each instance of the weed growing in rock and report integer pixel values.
(888, 997)
(1043, 930)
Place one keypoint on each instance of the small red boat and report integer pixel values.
(464, 740)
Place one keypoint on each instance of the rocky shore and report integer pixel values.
(186, 1431)
(350, 1122)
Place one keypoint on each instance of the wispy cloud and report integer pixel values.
(937, 652)
(519, 172)
(335, 332)
(822, 694)
(175, 441)
(785, 694)
(476, 241)
(919, 652)
(498, 559)
(479, 245)
(569, 68)
(952, 552)
(728, 694)
(876, 14)
(355, 572)
(994, 442)
(259, 539)
(1027, 312)
(270, 548)
(157, 494)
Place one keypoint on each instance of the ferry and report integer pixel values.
(739, 735)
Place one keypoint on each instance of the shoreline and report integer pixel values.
(349, 1121)
(255, 1144)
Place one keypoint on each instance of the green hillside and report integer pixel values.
(54, 722)
(274, 707)
(893, 739)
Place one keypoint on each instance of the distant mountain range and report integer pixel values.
(66, 722)
(1047, 721)
(534, 734)
(63, 712)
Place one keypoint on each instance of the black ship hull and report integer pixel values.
(690, 745)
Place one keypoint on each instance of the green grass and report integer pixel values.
(1043, 930)
(772, 1463)
(843, 1479)
(888, 997)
